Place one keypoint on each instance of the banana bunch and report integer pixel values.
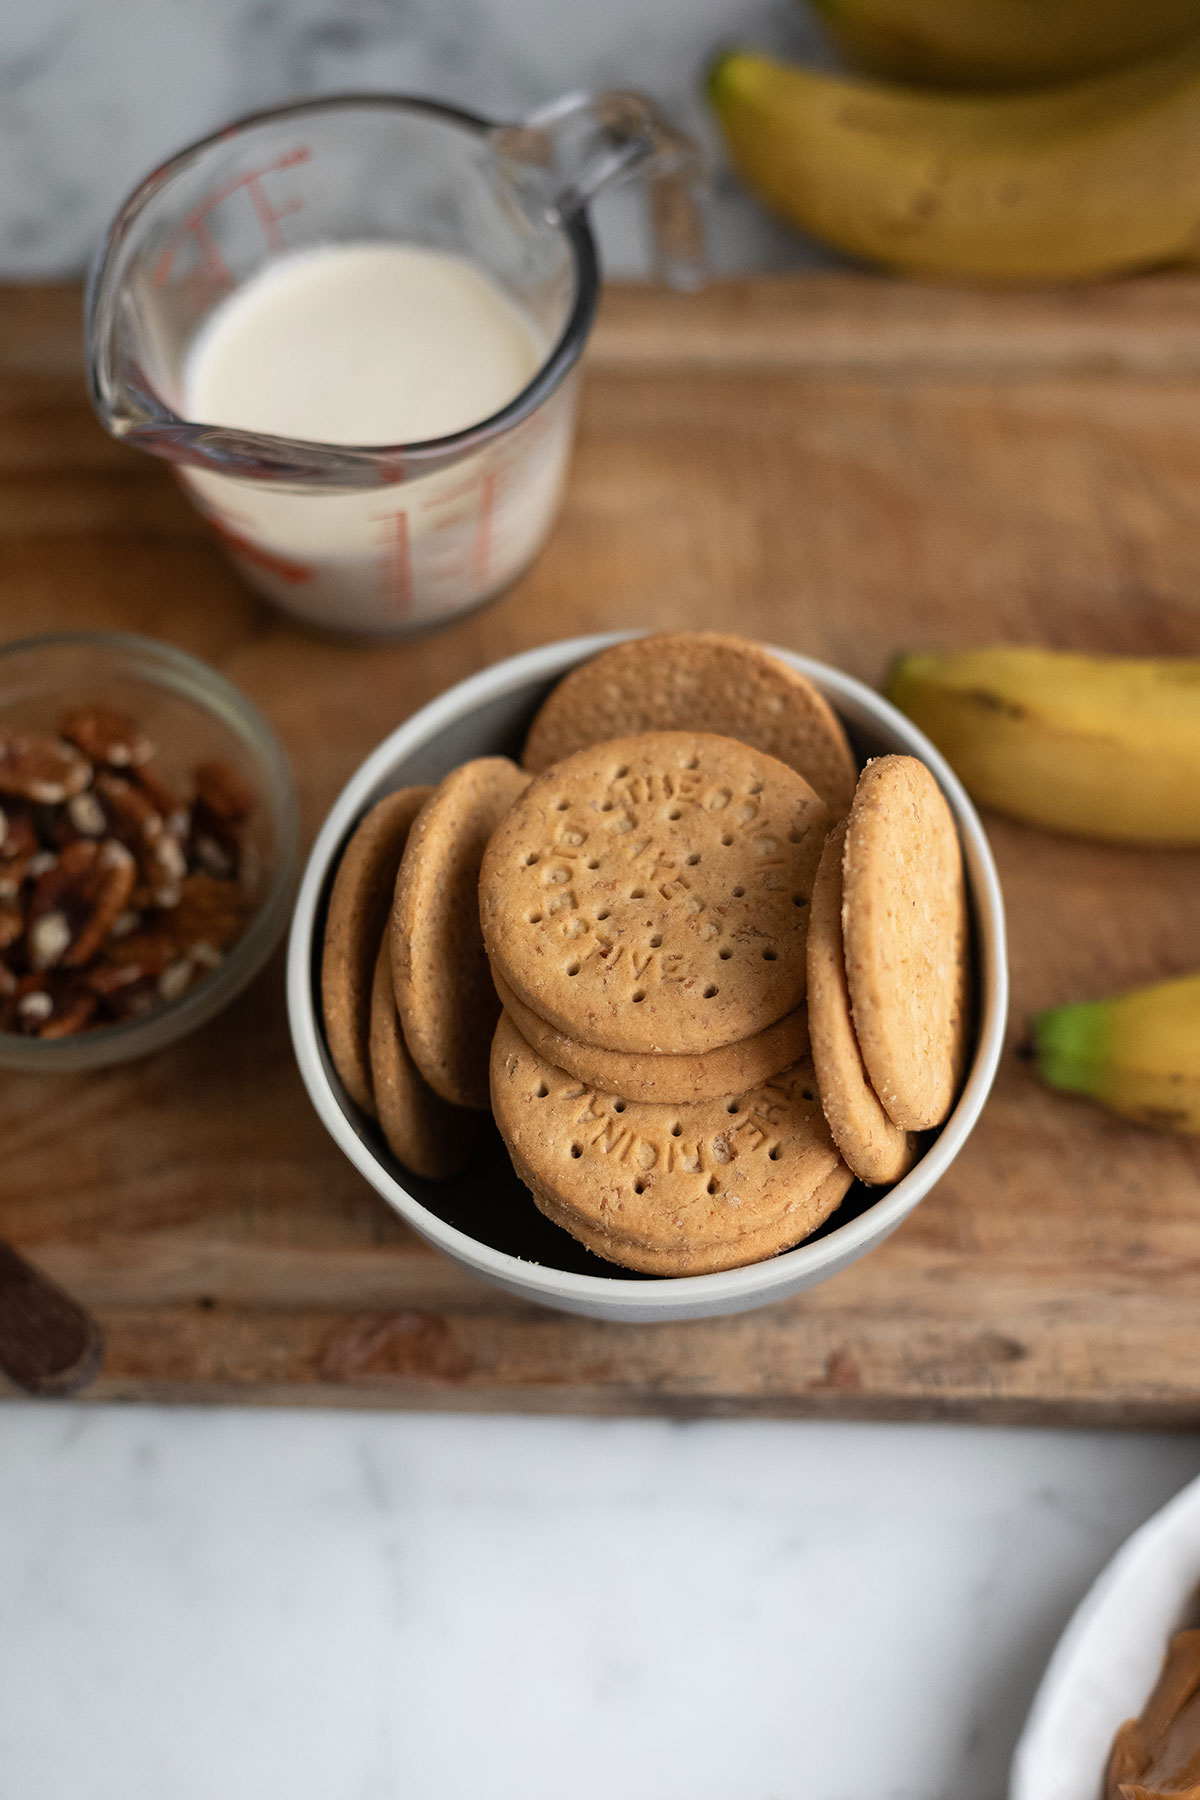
(1002, 43)
(1090, 178)
(1098, 747)
(1139, 1055)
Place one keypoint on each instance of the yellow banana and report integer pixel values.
(1055, 184)
(1099, 747)
(1139, 1055)
(1003, 43)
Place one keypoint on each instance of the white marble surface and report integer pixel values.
(304, 1607)
(264, 1605)
(92, 96)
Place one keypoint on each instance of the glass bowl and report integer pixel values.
(192, 715)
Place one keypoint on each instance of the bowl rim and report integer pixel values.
(554, 1286)
(199, 684)
(1163, 1544)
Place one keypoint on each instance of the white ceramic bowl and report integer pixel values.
(486, 1219)
(1109, 1656)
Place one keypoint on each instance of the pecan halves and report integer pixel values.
(146, 951)
(81, 817)
(47, 1006)
(86, 815)
(131, 813)
(222, 805)
(118, 891)
(12, 923)
(75, 904)
(163, 867)
(176, 814)
(18, 835)
(26, 1006)
(72, 1006)
(47, 770)
(223, 793)
(107, 979)
(108, 736)
(13, 876)
(210, 911)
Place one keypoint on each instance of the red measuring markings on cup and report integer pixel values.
(447, 512)
(285, 567)
(482, 550)
(397, 561)
(228, 528)
(269, 214)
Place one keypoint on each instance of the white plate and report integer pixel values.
(1109, 1657)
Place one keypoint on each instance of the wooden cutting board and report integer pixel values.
(842, 464)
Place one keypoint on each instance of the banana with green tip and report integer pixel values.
(1095, 746)
(1138, 1055)
(1052, 184)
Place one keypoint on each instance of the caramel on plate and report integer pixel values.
(1157, 1755)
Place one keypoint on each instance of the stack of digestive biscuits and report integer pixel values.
(666, 916)
(888, 969)
(447, 1004)
(359, 905)
(645, 906)
(366, 1045)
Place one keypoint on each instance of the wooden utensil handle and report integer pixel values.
(48, 1344)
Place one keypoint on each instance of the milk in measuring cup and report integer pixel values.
(367, 345)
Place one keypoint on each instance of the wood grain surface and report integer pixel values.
(847, 465)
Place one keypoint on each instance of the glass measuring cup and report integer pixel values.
(378, 538)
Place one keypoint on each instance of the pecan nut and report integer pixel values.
(106, 979)
(13, 876)
(47, 770)
(72, 1006)
(48, 939)
(214, 857)
(26, 1006)
(223, 793)
(75, 904)
(210, 911)
(18, 838)
(133, 1002)
(47, 1006)
(107, 736)
(86, 815)
(34, 1009)
(12, 923)
(162, 797)
(147, 952)
(177, 978)
(131, 814)
(163, 867)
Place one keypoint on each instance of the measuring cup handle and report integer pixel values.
(582, 143)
